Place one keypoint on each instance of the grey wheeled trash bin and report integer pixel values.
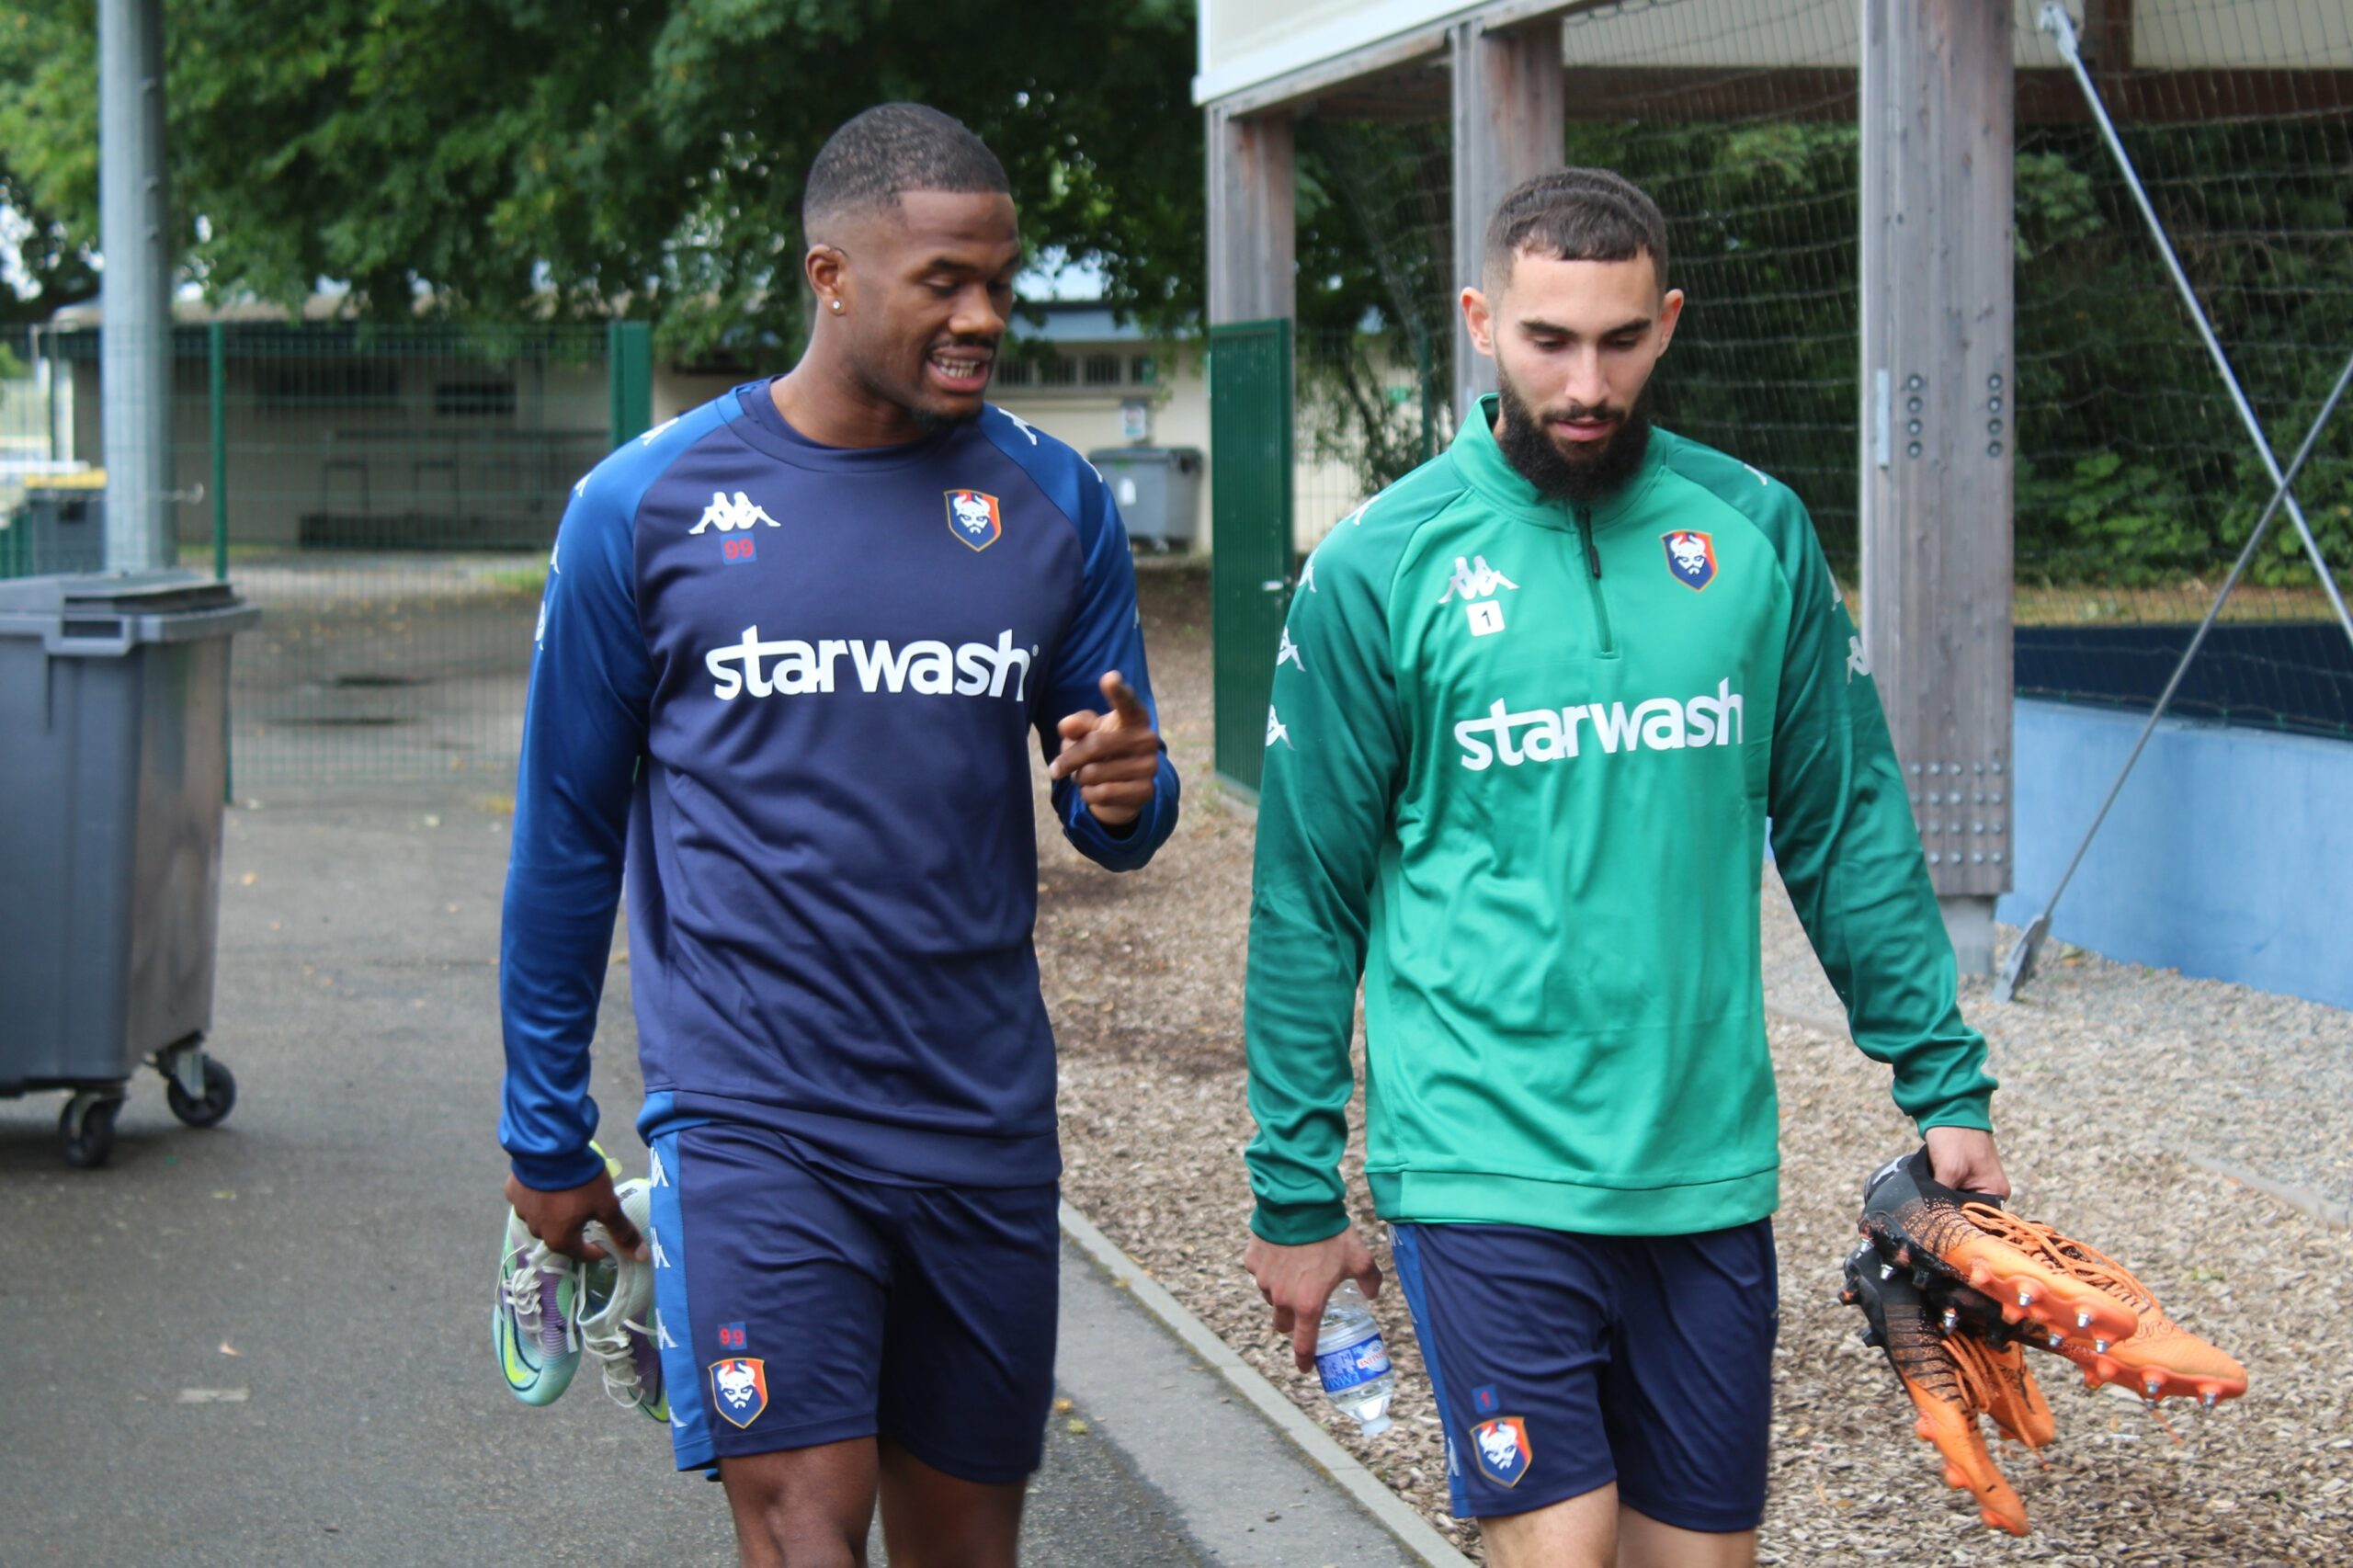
(1158, 490)
(113, 760)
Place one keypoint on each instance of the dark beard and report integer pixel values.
(1557, 477)
(930, 424)
(927, 422)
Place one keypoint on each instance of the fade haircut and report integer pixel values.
(1574, 215)
(889, 150)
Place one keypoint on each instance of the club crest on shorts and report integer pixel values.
(739, 1387)
(1502, 1449)
(973, 517)
(1692, 556)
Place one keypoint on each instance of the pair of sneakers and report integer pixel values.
(552, 1311)
(1991, 1283)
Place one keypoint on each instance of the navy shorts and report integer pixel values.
(803, 1303)
(1563, 1362)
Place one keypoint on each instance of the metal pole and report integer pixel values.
(2061, 29)
(216, 383)
(45, 349)
(135, 343)
(2020, 967)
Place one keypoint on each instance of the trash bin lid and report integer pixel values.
(111, 612)
(115, 593)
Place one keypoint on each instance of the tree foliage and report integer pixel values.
(501, 158)
(2132, 467)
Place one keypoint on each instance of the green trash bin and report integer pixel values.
(114, 694)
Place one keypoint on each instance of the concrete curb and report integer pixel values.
(1413, 1532)
(2322, 1211)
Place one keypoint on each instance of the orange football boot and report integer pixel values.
(2160, 1358)
(1917, 1221)
(1949, 1390)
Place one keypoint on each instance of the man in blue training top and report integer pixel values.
(794, 646)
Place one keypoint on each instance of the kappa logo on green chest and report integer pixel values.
(1475, 582)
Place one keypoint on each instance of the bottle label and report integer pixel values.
(1360, 1361)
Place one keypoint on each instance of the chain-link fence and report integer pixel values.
(388, 496)
(2135, 484)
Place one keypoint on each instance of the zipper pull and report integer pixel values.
(1592, 552)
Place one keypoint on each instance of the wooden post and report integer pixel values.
(1938, 431)
(1252, 239)
(1510, 118)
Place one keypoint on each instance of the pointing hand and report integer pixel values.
(1114, 756)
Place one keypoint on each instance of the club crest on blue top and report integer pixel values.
(973, 517)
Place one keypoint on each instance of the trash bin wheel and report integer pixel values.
(85, 1130)
(220, 1096)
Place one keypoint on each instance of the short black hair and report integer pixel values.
(1574, 215)
(891, 149)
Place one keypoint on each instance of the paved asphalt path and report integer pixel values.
(267, 1342)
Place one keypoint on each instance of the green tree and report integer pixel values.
(496, 158)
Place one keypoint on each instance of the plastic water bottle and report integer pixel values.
(1352, 1361)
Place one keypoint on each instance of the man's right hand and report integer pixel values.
(558, 1217)
(1298, 1280)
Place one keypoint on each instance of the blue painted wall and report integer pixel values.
(2229, 855)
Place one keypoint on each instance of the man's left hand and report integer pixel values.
(1963, 1157)
(1113, 757)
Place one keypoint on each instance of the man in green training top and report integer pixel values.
(1533, 708)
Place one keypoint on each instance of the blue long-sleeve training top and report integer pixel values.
(792, 688)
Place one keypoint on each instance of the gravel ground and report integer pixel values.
(2282, 1115)
(1145, 977)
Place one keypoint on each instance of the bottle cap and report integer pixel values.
(1376, 1427)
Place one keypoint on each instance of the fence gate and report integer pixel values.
(1250, 510)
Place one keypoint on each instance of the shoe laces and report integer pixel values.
(531, 1292)
(616, 1359)
(607, 1333)
(2089, 1265)
(1988, 1380)
(1971, 1372)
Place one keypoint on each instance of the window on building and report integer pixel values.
(328, 384)
(1061, 370)
(463, 399)
(1104, 370)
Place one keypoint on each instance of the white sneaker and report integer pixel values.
(621, 1327)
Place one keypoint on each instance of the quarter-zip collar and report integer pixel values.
(1485, 468)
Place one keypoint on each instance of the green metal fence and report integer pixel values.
(387, 495)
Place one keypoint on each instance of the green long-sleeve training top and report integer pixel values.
(1520, 760)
